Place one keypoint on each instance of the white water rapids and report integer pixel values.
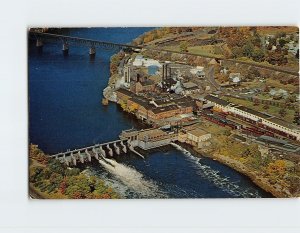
(220, 181)
(133, 179)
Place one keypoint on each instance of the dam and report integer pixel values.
(145, 139)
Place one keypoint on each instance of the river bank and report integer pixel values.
(239, 167)
(254, 176)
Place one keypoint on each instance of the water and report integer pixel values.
(65, 112)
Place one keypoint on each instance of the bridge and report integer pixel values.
(145, 139)
(42, 37)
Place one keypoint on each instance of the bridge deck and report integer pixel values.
(86, 148)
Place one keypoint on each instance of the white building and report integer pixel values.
(198, 137)
(199, 71)
(235, 78)
(257, 117)
(141, 61)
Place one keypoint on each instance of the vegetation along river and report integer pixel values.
(65, 112)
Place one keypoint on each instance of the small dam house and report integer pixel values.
(198, 137)
(148, 138)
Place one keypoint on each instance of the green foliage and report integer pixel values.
(57, 167)
(248, 49)
(237, 52)
(258, 55)
(183, 46)
(282, 112)
(72, 172)
(60, 181)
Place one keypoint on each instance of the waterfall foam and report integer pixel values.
(133, 179)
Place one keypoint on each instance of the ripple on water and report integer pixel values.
(222, 182)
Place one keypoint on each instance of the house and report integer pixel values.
(198, 137)
(235, 78)
(200, 74)
(224, 71)
(190, 88)
(198, 71)
(277, 94)
(293, 47)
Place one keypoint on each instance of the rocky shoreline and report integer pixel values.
(239, 167)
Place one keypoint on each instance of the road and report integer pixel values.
(211, 77)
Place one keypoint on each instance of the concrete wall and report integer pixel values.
(153, 144)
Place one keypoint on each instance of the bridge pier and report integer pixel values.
(65, 48)
(123, 147)
(102, 151)
(80, 157)
(110, 152)
(73, 159)
(92, 52)
(96, 153)
(88, 155)
(39, 43)
(65, 160)
(117, 149)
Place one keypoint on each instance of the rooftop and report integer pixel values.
(216, 100)
(165, 109)
(278, 121)
(256, 113)
(189, 85)
(125, 92)
(198, 132)
(147, 83)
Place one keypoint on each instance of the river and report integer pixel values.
(65, 112)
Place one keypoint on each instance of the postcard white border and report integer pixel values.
(18, 214)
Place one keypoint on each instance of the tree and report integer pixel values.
(183, 46)
(282, 112)
(266, 106)
(248, 49)
(296, 118)
(282, 42)
(258, 55)
(57, 167)
(276, 58)
(255, 102)
(237, 52)
(133, 107)
(277, 168)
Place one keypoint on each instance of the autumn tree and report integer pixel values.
(183, 46)
(276, 168)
